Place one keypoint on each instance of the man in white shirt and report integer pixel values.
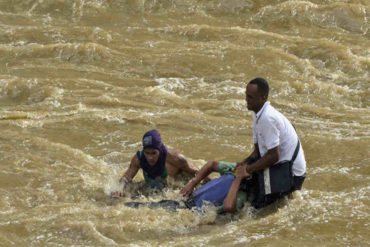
(277, 163)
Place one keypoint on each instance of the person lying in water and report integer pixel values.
(219, 189)
(157, 162)
(217, 192)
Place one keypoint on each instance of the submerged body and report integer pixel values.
(212, 193)
(157, 162)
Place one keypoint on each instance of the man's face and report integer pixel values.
(254, 100)
(151, 155)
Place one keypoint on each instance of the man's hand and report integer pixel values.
(188, 189)
(241, 171)
(121, 193)
(117, 194)
(240, 164)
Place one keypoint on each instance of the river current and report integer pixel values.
(81, 82)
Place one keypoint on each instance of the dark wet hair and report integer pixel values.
(262, 85)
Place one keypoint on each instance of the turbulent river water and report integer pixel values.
(81, 82)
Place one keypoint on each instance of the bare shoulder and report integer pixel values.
(172, 153)
(179, 162)
(175, 157)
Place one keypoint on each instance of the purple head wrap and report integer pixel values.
(152, 139)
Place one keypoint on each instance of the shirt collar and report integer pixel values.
(259, 113)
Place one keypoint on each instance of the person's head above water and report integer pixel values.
(152, 139)
(152, 145)
(262, 85)
(257, 93)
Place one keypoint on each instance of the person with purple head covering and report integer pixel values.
(157, 162)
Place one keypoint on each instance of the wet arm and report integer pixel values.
(230, 202)
(271, 157)
(132, 169)
(255, 155)
(128, 176)
(211, 166)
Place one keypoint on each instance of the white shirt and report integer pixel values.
(272, 129)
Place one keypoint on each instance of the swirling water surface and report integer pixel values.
(81, 81)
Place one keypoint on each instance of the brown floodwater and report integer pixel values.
(81, 81)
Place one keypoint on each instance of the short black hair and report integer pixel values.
(262, 85)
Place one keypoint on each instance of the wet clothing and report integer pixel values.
(158, 170)
(250, 189)
(152, 139)
(272, 129)
(275, 182)
(155, 176)
(204, 193)
(228, 168)
(215, 191)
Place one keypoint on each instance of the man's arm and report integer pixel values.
(211, 166)
(255, 155)
(232, 196)
(271, 157)
(178, 160)
(128, 176)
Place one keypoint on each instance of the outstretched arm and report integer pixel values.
(128, 176)
(211, 166)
